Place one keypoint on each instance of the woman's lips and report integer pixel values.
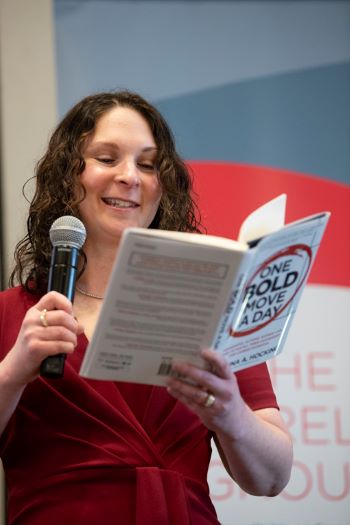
(119, 203)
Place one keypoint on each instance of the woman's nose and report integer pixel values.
(127, 173)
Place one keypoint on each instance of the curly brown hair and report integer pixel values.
(57, 181)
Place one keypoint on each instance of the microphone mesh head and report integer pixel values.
(68, 230)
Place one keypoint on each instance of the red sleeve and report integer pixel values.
(256, 387)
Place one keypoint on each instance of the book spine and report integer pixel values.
(231, 310)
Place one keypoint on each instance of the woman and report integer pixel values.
(85, 451)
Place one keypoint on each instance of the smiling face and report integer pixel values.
(120, 176)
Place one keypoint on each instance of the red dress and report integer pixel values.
(80, 451)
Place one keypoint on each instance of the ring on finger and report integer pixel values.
(209, 400)
(43, 318)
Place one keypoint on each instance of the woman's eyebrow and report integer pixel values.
(102, 143)
(150, 148)
(113, 145)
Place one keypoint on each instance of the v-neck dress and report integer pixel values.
(86, 452)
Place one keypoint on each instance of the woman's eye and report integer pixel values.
(147, 167)
(105, 160)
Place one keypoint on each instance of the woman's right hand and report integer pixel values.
(37, 340)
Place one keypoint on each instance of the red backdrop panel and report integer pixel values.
(227, 193)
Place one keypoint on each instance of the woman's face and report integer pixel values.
(120, 176)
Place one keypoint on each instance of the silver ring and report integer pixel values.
(209, 401)
(43, 318)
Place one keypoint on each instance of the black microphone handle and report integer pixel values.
(62, 277)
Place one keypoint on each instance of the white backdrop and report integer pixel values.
(311, 378)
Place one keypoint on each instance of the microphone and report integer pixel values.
(67, 235)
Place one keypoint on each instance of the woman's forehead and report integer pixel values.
(119, 122)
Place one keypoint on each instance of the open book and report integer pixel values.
(172, 293)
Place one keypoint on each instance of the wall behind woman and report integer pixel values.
(27, 109)
(258, 94)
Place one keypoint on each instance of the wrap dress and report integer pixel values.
(80, 451)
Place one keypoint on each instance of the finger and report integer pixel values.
(48, 318)
(195, 393)
(194, 398)
(194, 406)
(187, 372)
(217, 363)
(55, 301)
(48, 348)
(222, 388)
(190, 373)
(57, 333)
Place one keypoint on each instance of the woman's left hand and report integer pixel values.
(254, 446)
(213, 394)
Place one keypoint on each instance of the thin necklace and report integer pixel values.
(89, 294)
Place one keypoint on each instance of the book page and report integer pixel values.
(164, 301)
(264, 220)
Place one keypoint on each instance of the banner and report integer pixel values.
(310, 377)
(258, 97)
